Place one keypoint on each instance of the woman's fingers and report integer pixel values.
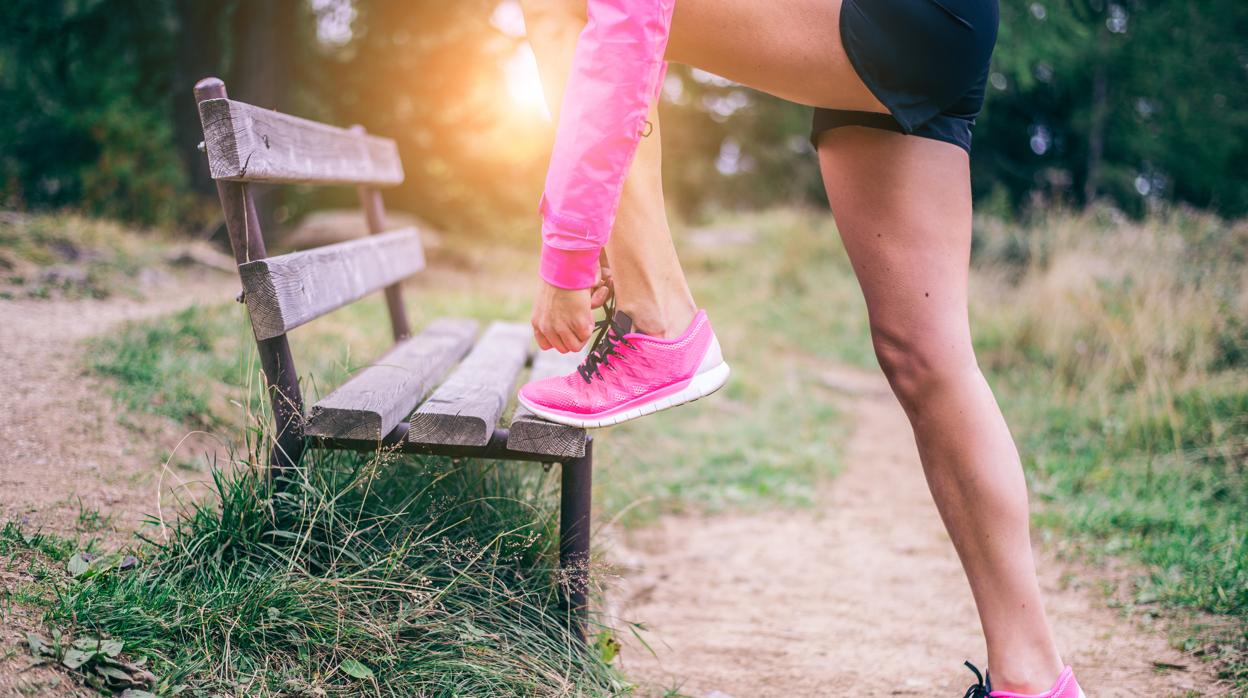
(542, 342)
(569, 341)
(583, 331)
(601, 293)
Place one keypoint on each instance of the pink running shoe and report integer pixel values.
(628, 374)
(1065, 687)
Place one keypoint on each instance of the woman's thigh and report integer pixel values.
(903, 208)
(789, 48)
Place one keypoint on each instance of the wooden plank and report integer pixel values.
(373, 402)
(248, 144)
(464, 410)
(533, 434)
(286, 291)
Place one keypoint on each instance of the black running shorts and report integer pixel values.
(926, 60)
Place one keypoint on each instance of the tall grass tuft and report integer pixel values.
(354, 575)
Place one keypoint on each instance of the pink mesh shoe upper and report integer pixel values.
(642, 367)
(1065, 687)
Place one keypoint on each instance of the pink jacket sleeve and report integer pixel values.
(617, 72)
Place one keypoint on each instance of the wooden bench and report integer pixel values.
(440, 391)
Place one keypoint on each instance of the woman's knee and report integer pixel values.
(920, 364)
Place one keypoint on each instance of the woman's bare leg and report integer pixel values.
(769, 46)
(903, 208)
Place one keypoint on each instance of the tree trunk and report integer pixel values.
(266, 37)
(198, 55)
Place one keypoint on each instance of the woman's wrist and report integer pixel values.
(569, 269)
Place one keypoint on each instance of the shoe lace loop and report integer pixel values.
(610, 336)
(982, 687)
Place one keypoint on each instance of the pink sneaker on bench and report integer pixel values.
(628, 374)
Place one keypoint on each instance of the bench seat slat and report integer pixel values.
(464, 410)
(533, 434)
(246, 143)
(286, 291)
(373, 402)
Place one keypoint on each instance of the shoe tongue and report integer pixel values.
(623, 323)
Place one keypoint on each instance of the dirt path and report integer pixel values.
(862, 596)
(61, 439)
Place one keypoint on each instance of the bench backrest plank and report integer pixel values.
(464, 410)
(373, 402)
(286, 291)
(246, 143)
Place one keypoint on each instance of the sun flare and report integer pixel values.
(524, 83)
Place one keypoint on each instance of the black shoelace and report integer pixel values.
(610, 336)
(982, 687)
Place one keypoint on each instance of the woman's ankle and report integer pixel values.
(1028, 678)
(663, 320)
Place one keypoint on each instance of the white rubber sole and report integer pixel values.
(700, 386)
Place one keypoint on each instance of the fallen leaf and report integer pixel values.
(75, 658)
(78, 565)
(352, 668)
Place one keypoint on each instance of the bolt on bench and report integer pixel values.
(396, 402)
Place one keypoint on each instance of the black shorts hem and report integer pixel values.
(827, 119)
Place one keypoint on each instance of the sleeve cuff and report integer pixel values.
(569, 269)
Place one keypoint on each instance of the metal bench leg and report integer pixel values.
(575, 496)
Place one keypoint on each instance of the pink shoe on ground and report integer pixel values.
(628, 374)
(1065, 687)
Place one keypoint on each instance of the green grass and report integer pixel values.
(362, 575)
(174, 366)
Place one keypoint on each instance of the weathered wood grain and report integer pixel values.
(249, 144)
(464, 410)
(286, 291)
(533, 434)
(377, 398)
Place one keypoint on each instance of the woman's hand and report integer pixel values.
(562, 318)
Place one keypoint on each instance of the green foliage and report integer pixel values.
(1135, 102)
(727, 147)
(84, 96)
(429, 74)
